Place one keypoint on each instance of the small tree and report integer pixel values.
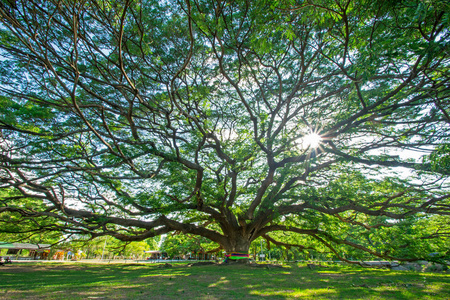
(180, 245)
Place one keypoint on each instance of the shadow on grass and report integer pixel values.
(85, 281)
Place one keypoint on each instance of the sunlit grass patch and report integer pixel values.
(216, 282)
(323, 292)
(222, 281)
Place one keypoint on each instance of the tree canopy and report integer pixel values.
(317, 124)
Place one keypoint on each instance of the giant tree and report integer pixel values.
(320, 124)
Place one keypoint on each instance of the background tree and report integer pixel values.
(105, 248)
(187, 246)
(324, 120)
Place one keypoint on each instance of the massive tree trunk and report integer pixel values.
(237, 248)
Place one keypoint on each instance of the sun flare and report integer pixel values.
(311, 140)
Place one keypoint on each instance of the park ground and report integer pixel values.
(76, 280)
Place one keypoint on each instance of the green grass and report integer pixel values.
(150, 281)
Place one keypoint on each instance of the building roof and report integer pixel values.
(6, 245)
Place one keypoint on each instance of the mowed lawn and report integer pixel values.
(151, 281)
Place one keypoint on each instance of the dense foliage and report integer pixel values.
(319, 124)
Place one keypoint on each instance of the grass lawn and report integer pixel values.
(58, 280)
